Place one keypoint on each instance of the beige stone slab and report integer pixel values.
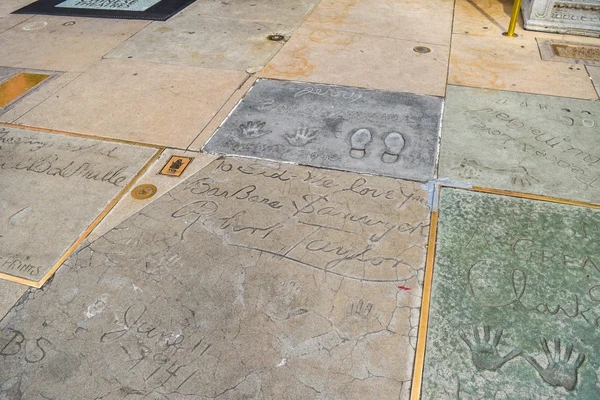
(9, 21)
(498, 63)
(137, 101)
(326, 56)
(427, 21)
(288, 12)
(10, 293)
(594, 73)
(8, 6)
(37, 96)
(218, 119)
(250, 280)
(43, 42)
(128, 206)
(193, 40)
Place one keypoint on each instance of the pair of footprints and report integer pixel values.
(559, 371)
(394, 143)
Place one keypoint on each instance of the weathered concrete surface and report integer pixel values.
(196, 39)
(52, 187)
(385, 133)
(522, 142)
(249, 280)
(515, 300)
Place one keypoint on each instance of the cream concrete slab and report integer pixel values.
(499, 63)
(288, 12)
(8, 6)
(128, 206)
(193, 40)
(137, 101)
(350, 59)
(53, 187)
(594, 73)
(10, 293)
(7, 22)
(37, 97)
(229, 287)
(427, 21)
(218, 119)
(521, 142)
(43, 42)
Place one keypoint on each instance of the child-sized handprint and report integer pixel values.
(302, 136)
(253, 129)
(484, 354)
(558, 372)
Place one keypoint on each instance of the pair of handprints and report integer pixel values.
(561, 369)
(255, 129)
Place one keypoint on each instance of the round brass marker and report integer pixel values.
(421, 49)
(143, 192)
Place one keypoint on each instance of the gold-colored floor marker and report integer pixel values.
(176, 165)
(18, 85)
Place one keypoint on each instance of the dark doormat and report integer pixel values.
(159, 10)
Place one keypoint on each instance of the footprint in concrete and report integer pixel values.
(358, 142)
(394, 143)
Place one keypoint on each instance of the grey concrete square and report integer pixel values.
(369, 131)
(52, 187)
(250, 280)
(522, 142)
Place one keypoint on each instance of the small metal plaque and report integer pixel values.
(573, 53)
(143, 192)
(176, 165)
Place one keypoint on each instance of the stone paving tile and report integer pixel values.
(594, 73)
(287, 12)
(499, 63)
(128, 206)
(515, 300)
(428, 21)
(212, 126)
(250, 280)
(74, 178)
(43, 42)
(521, 142)
(194, 40)
(340, 58)
(11, 293)
(377, 132)
(136, 101)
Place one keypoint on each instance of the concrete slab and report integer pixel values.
(251, 279)
(384, 133)
(11, 293)
(194, 40)
(594, 73)
(341, 58)
(128, 205)
(426, 21)
(43, 42)
(287, 12)
(137, 101)
(53, 188)
(214, 123)
(514, 300)
(514, 64)
(521, 142)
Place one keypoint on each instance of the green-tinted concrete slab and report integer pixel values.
(522, 142)
(515, 304)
